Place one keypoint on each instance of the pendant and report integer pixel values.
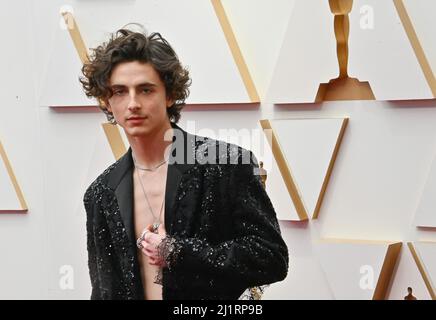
(154, 227)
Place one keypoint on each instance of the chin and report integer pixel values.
(138, 131)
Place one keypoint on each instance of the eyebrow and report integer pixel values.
(145, 84)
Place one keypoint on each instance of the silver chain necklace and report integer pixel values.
(156, 222)
(151, 169)
(148, 169)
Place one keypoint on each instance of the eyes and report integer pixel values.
(121, 92)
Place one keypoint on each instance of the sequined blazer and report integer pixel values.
(222, 231)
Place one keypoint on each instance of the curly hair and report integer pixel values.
(126, 46)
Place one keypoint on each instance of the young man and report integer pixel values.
(178, 216)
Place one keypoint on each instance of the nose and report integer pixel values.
(133, 102)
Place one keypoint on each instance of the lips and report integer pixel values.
(136, 118)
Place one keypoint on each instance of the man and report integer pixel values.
(178, 216)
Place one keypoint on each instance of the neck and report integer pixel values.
(152, 149)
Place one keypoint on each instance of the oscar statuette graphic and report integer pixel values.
(343, 87)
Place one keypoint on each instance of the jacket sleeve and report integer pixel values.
(257, 255)
(92, 261)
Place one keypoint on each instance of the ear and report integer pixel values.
(107, 105)
(170, 102)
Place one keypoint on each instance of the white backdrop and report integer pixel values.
(374, 191)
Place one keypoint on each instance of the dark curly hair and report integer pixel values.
(126, 46)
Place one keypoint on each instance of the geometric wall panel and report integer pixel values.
(251, 21)
(305, 151)
(94, 29)
(218, 72)
(235, 50)
(115, 139)
(305, 279)
(71, 140)
(424, 254)
(76, 141)
(407, 275)
(396, 74)
(61, 87)
(426, 212)
(308, 58)
(359, 270)
(276, 189)
(11, 197)
(215, 63)
(418, 20)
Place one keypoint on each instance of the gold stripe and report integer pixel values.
(78, 41)
(115, 140)
(13, 178)
(421, 269)
(387, 271)
(416, 45)
(285, 172)
(330, 168)
(73, 29)
(236, 51)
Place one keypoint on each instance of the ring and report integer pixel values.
(138, 243)
(141, 238)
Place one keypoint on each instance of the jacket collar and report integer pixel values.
(120, 179)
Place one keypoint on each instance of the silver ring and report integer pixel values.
(138, 243)
(144, 233)
(141, 238)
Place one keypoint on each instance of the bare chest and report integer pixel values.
(148, 199)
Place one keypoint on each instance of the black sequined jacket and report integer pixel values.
(222, 232)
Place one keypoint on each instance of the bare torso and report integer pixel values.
(154, 186)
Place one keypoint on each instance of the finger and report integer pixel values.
(159, 263)
(147, 247)
(153, 240)
(150, 245)
(145, 252)
(147, 235)
(155, 261)
(148, 252)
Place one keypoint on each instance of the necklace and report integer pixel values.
(156, 222)
(149, 169)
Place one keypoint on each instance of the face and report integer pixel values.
(139, 102)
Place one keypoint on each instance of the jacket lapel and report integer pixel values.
(124, 194)
(121, 181)
(173, 179)
(180, 161)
